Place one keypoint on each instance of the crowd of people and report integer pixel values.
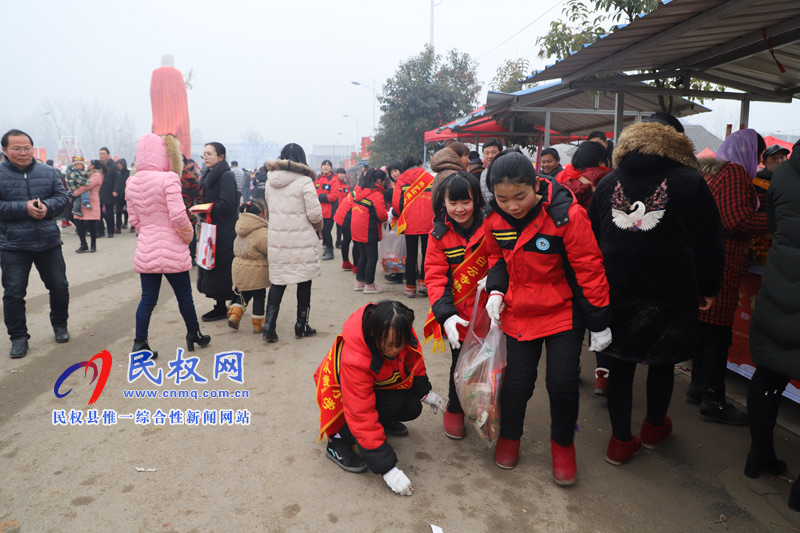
(640, 244)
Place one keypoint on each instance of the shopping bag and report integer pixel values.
(479, 373)
(392, 250)
(207, 246)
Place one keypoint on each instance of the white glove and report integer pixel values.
(482, 283)
(452, 331)
(391, 216)
(599, 340)
(398, 482)
(495, 306)
(435, 401)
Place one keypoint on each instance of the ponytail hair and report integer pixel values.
(254, 207)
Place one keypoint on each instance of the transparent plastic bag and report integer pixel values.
(479, 373)
(392, 250)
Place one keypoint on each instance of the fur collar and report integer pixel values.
(652, 138)
(291, 166)
(174, 154)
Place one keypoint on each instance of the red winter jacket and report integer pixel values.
(344, 189)
(419, 216)
(360, 372)
(570, 176)
(551, 272)
(342, 215)
(328, 192)
(446, 250)
(368, 211)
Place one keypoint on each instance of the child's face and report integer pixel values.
(460, 210)
(389, 346)
(342, 176)
(395, 174)
(326, 168)
(516, 199)
(78, 166)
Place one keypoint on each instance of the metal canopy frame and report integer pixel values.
(739, 44)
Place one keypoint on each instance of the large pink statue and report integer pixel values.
(170, 106)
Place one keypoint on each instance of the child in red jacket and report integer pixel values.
(372, 380)
(546, 284)
(456, 260)
(327, 185)
(344, 190)
(368, 212)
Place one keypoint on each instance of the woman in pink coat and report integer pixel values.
(92, 214)
(156, 210)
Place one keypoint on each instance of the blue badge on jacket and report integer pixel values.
(542, 244)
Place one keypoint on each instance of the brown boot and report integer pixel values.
(235, 313)
(258, 325)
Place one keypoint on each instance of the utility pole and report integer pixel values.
(433, 4)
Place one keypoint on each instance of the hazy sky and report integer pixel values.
(282, 68)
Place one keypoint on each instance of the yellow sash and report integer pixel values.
(465, 282)
(413, 192)
(758, 182)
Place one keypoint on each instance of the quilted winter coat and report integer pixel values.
(250, 270)
(156, 209)
(295, 215)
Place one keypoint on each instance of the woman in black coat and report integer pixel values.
(658, 227)
(219, 187)
(122, 212)
(774, 332)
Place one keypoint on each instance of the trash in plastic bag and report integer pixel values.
(479, 374)
(392, 249)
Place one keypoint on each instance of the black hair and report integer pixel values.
(373, 177)
(219, 148)
(384, 316)
(96, 163)
(234, 163)
(458, 186)
(106, 149)
(493, 141)
(597, 135)
(190, 161)
(762, 145)
(397, 165)
(49, 162)
(330, 163)
(411, 161)
(293, 152)
(589, 154)
(551, 151)
(254, 207)
(9, 133)
(340, 170)
(667, 120)
(511, 166)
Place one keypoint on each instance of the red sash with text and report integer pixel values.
(413, 192)
(465, 282)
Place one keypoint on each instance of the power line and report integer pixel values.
(537, 19)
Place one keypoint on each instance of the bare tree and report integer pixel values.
(254, 144)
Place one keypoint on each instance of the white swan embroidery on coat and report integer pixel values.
(645, 215)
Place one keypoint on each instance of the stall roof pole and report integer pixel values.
(744, 114)
(619, 108)
(547, 129)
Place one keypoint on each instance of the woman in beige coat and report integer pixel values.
(250, 269)
(295, 220)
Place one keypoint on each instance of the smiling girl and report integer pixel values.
(546, 284)
(457, 252)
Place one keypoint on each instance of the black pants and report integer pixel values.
(763, 399)
(453, 403)
(660, 380)
(397, 406)
(119, 204)
(346, 238)
(108, 217)
(339, 233)
(259, 297)
(412, 257)
(367, 261)
(561, 379)
(193, 246)
(303, 296)
(82, 226)
(15, 268)
(327, 239)
(711, 358)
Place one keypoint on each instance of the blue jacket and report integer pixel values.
(18, 231)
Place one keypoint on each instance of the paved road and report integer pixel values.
(271, 475)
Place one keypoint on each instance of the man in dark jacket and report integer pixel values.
(31, 197)
(110, 191)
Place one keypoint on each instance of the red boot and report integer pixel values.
(506, 453)
(653, 435)
(565, 470)
(347, 265)
(454, 425)
(619, 452)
